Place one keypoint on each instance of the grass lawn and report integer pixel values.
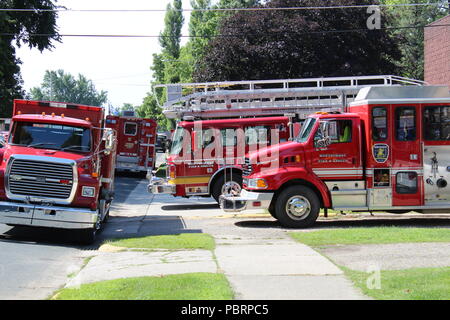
(409, 284)
(184, 241)
(378, 235)
(188, 286)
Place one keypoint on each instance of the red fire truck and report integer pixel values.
(241, 116)
(389, 151)
(57, 168)
(203, 161)
(136, 139)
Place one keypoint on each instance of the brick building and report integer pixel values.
(437, 52)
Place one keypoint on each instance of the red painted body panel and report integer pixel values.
(136, 142)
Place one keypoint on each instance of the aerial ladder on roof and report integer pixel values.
(239, 99)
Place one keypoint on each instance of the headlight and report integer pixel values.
(88, 192)
(257, 184)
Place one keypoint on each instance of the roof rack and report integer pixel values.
(233, 99)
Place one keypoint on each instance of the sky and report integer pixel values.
(120, 66)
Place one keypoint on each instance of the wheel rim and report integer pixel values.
(231, 188)
(298, 207)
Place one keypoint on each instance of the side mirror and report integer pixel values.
(110, 138)
(322, 138)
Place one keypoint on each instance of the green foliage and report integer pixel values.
(170, 37)
(292, 44)
(407, 24)
(64, 87)
(150, 109)
(19, 28)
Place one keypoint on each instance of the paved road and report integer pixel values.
(35, 262)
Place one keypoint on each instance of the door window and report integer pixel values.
(379, 124)
(405, 121)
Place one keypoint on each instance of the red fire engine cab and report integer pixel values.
(390, 151)
(57, 168)
(136, 140)
(241, 117)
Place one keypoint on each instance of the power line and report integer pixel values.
(222, 35)
(225, 9)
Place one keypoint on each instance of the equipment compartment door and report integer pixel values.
(406, 157)
(130, 138)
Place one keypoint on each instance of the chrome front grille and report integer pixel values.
(247, 168)
(42, 179)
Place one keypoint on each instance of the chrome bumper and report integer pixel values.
(246, 201)
(160, 186)
(46, 216)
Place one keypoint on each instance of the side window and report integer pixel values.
(130, 128)
(257, 135)
(436, 123)
(208, 137)
(405, 123)
(406, 182)
(229, 138)
(379, 124)
(339, 131)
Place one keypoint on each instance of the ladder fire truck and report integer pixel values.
(239, 114)
(389, 150)
(136, 141)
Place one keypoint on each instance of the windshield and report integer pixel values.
(51, 136)
(306, 130)
(177, 142)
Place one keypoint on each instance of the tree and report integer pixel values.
(150, 109)
(64, 87)
(276, 44)
(19, 27)
(407, 24)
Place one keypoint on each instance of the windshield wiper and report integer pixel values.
(41, 144)
(81, 148)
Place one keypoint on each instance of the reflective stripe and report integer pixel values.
(189, 180)
(338, 172)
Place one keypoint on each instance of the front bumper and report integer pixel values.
(245, 201)
(160, 186)
(46, 216)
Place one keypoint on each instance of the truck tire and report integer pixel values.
(297, 207)
(220, 186)
(87, 236)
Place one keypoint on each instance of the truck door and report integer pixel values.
(130, 138)
(407, 167)
(340, 157)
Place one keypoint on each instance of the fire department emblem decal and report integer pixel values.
(380, 152)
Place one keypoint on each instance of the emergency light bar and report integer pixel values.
(59, 105)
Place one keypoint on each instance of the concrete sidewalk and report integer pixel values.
(259, 264)
(281, 269)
